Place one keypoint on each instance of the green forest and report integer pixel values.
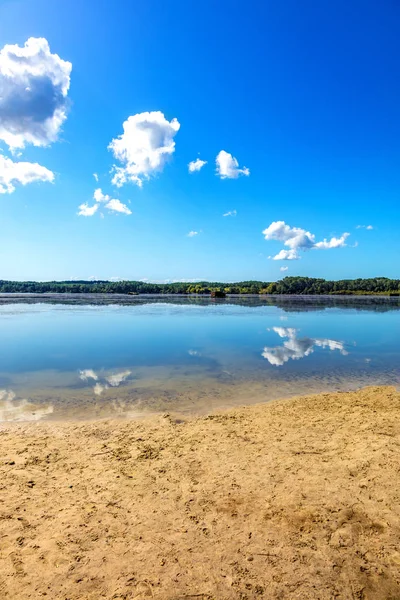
(288, 285)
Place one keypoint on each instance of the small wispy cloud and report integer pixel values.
(96, 176)
(192, 233)
(112, 204)
(369, 227)
(334, 242)
(196, 165)
(230, 213)
(116, 205)
(284, 269)
(85, 210)
(181, 280)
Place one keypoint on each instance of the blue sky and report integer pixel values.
(304, 95)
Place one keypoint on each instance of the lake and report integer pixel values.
(87, 357)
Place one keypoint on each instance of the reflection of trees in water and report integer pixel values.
(315, 303)
(286, 303)
(295, 348)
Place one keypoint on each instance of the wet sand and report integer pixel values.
(295, 498)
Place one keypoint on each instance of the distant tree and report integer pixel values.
(287, 285)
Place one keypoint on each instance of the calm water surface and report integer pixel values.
(91, 357)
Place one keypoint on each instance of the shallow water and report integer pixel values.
(111, 356)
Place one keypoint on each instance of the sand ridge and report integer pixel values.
(297, 498)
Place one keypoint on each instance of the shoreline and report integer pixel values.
(157, 395)
(293, 498)
(194, 295)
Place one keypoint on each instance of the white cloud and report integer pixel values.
(192, 233)
(333, 242)
(230, 213)
(297, 239)
(228, 166)
(181, 280)
(283, 269)
(144, 147)
(196, 165)
(96, 176)
(286, 255)
(22, 173)
(113, 204)
(33, 89)
(117, 206)
(295, 348)
(369, 227)
(87, 211)
(294, 237)
(98, 196)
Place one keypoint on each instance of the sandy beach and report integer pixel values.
(296, 498)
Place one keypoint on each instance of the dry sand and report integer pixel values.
(294, 499)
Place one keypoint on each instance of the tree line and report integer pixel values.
(288, 285)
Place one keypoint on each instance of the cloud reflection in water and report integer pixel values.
(12, 409)
(88, 374)
(295, 348)
(102, 384)
(118, 378)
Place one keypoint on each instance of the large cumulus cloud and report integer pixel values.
(144, 147)
(34, 84)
